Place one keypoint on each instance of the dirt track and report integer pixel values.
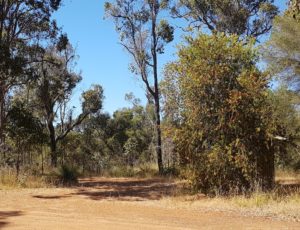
(101, 203)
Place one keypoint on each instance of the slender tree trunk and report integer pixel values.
(156, 91)
(2, 123)
(2, 114)
(18, 158)
(52, 144)
(42, 150)
(158, 137)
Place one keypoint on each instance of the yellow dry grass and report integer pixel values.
(10, 180)
(283, 202)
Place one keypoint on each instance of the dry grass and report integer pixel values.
(9, 180)
(258, 204)
(141, 171)
(283, 202)
(287, 176)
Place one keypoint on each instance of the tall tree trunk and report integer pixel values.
(156, 89)
(2, 114)
(42, 151)
(158, 136)
(156, 92)
(18, 158)
(52, 144)
(2, 123)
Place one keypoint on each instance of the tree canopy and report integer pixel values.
(243, 17)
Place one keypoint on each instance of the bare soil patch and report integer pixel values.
(116, 203)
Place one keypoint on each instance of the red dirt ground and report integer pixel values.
(102, 203)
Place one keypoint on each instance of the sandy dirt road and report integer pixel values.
(101, 203)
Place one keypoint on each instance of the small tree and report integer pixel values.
(144, 34)
(223, 131)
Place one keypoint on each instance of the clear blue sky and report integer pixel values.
(101, 59)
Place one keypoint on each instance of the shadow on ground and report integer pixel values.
(137, 190)
(4, 216)
(131, 189)
(50, 197)
(122, 189)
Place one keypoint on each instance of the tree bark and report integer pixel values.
(269, 171)
(158, 137)
(52, 144)
(266, 169)
(156, 90)
(2, 114)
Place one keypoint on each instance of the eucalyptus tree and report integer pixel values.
(23, 23)
(144, 34)
(282, 51)
(53, 90)
(242, 17)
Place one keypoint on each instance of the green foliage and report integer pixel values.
(294, 10)
(102, 142)
(282, 55)
(25, 25)
(132, 134)
(24, 131)
(242, 17)
(282, 51)
(23, 125)
(286, 113)
(53, 89)
(223, 133)
(92, 99)
(144, 35)
(135, 21)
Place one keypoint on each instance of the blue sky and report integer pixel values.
(101, 59)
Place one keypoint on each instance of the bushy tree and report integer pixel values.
(53, 89)
(222, 127)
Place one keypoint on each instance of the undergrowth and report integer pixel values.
(10, 180)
